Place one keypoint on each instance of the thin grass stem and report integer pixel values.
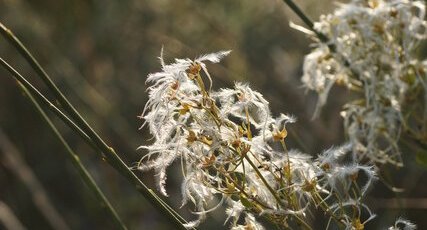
(42, 99)
(155, 200)
(85, 175)
(111, 155)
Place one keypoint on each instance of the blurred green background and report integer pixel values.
(99, 53)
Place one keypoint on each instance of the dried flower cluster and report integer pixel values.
(370, 50)
(233, 152)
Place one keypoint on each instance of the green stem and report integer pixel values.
(322, 203)
(42, 99)
(10, 36)
(156, 201)
(87, 178)
(279, 201)
(110, 155)
(254, 167)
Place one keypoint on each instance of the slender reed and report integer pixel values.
(42, 99)
(106, 151)
(85, 175)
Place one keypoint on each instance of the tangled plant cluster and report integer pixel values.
(233, 152)
(370, 50)
(403, 224)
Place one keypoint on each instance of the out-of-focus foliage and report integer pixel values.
(99, 53)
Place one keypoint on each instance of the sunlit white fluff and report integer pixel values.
(230, 135)
(373, 53)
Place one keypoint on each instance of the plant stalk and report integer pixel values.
(85, 175)
(106, 151)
